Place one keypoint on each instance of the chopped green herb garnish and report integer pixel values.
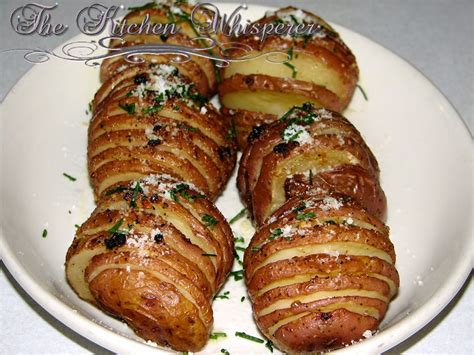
(208, 254)
(269, 345)
(242, 299)
(209, 221)
(249, 337)
(363, 92)
(72, 178)
(310, 177)
(290, 53)
(239, 248)
(128, 94)
(115, 190)
(136, 190)
(300, 207)
(239, 240)
(255, 249)
(238, 216)
(238, 275)
(225, 352)
(129, 108)
(151, 109)
(275, 233)
(294, 71)
(176, 108)
(183, 191)
(77, 226)
(305, 216)
(115, 228)
(224, 296)
(217, 335)
(45, 233)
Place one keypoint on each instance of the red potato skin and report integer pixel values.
(323, 324)
(330, 49)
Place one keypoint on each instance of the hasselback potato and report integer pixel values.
(321, 69)
(320, 273)
(307, 149)
(154, 252)
(152, 120)
(201, 71)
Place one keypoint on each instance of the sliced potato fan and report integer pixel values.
(320, 273)
(317, 68)
(154, 252)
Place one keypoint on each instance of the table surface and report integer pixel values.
(434, 35)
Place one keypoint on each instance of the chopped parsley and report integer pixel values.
(239, 248)
(150, 110)
(77, 226)
(255, 249)
(129, 108)
(72, 178)
(45, 233)
(238, 216)
(225, 352)
(249, 337)
(217, 335)
(209, 221)
(242, 299)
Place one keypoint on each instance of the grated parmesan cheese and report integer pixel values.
(330, 203)
(297, 133)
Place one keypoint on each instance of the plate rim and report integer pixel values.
(111, 340)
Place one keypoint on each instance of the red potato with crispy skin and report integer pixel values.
(138, 130)
(320, 273)
(320, 69)
(201, 71)
(308, 149)
(154, 256)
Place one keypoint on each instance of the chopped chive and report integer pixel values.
(294, 71)
(72, 178)
(217, 335)
(240, 248)
(238, 275)
(239, 240)
(363, 92)
(242, 299)
(115, 227)
(225, 352)
(238, 216)
(209, 221)
(136, 190)
(305, 216)
(224, 296)
(45, 233)
(255, 249)
(208, 254)
(249, 337)
(129, 108)
(77, 226)
(115, 190)
(269, 345)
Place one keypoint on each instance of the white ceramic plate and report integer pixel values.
(420, 142)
